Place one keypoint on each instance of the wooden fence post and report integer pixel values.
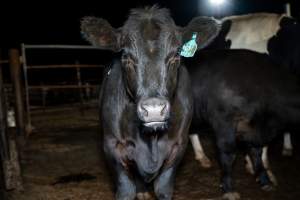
(4, 147)
(11, 164)
(2, 181)
(79, 83)
(3, 139)
(15, 70)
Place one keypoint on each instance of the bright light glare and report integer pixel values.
(217, 2)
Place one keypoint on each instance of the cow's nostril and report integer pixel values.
(144, 111)
(163, 109)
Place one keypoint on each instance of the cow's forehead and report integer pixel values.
(151, 38)
(159, 15)
(151, 29)
(139, 45)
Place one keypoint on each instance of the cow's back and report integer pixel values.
(252, 31)
(241, 80)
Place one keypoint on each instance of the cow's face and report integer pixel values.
(150, 42)
(150, 62)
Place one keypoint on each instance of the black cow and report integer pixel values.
(247, 100)
(274, 34)
(146, 104)
(284, 47)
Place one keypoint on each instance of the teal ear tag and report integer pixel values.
(190, 47)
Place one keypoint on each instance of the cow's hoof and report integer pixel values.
(268, 188)
(272, 178)
(287, 152)
(231, 196)
(144, 196)
(204, 162)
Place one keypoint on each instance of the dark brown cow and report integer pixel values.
(146, 103)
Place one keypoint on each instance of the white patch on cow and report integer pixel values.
(264, 157)
(287, 149)
(253, 31)
(199, 152)
(249, 166)
(266, 165)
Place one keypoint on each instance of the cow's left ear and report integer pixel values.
(206, 28)
(100, 33)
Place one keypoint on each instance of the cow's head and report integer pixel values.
(150, 43)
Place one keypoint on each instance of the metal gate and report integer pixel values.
(27, 67)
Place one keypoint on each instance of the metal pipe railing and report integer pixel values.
(27, 67)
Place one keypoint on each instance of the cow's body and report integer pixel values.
(146, 103)
(124, 145)
(274, 34)
(247, 100)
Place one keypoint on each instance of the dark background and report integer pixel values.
(57, 22)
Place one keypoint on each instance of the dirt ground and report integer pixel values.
(62, 161)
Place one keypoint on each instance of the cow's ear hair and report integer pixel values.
(100, 33)
(207, 29)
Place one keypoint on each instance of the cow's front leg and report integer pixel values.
(226, 143)
(226, 161)
(142, 189)
(125, 186)
(164, 184)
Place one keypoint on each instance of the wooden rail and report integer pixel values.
(63, 66)
(4, 61)
(52, 87)
(58, 46)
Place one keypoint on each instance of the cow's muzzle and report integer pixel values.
(154, 112)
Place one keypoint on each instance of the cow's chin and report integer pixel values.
(152, 127)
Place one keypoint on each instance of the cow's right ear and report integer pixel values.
(100, 33)
(207, 29)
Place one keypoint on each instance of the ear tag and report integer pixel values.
(189, 48)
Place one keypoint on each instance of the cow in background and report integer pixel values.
(248, 101)
(274, 34)
(251, 31)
